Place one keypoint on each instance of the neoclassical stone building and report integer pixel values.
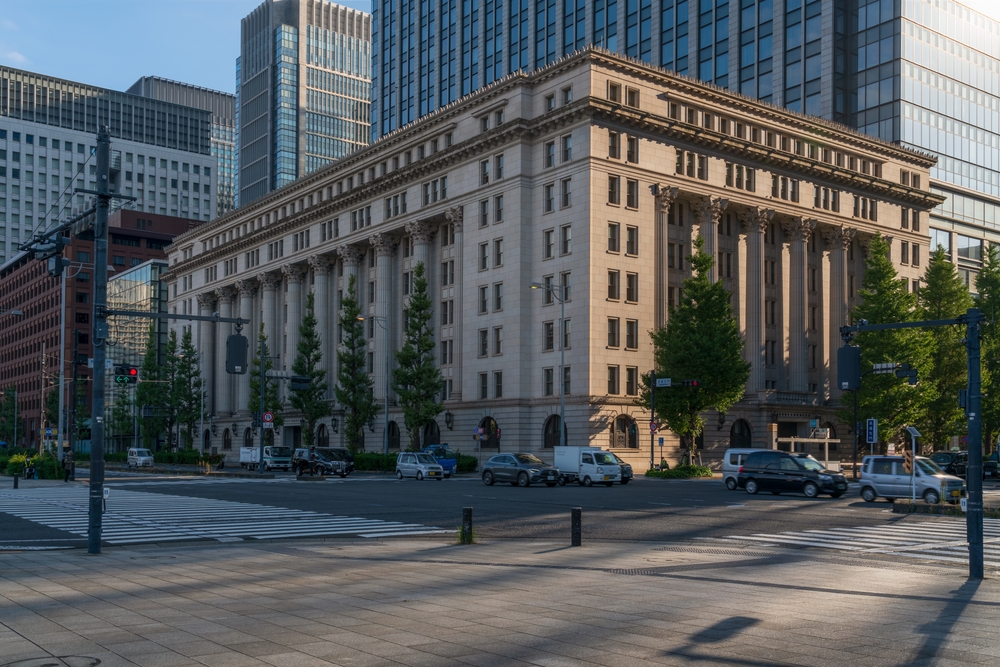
(591, 175)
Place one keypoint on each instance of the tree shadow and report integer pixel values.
(937, 631)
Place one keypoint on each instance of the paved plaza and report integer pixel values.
(428, 601)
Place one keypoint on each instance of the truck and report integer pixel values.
(276, 457)
(445, 457)
(586, 465)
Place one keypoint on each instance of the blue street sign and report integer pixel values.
(662, 382)
(872, 431)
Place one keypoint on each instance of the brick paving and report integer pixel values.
(504, 603)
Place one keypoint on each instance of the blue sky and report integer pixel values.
(111, 43)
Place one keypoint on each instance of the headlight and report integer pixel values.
(600, 470)
(533, 471)
(825, 478)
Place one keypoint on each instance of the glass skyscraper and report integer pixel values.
(303, 83)
(923, 73)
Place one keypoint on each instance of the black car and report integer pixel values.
(956, 463)
(519, 470)
(339, 454)
(626, 469)
(781, 472)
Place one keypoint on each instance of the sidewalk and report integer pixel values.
(430, 602)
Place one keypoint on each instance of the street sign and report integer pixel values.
(268, 420)
(477, 433)
(652, 426)
(662, 382)
(872, 431)
(661, 442)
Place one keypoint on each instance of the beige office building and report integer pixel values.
(592, 174)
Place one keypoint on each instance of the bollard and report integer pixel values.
(465, 537)
(15, 479)
(577, 529)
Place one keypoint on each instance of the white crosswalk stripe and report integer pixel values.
(134, 517)
(942, 540)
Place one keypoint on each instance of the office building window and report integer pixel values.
(614, 337)
(498, 384)
(614, 237)
(613, 387)
(631, 334)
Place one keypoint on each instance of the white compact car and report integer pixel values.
(419, 465)
(139, 457)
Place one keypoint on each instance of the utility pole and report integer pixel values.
(263, 387)
(41, 401)
(71, 422)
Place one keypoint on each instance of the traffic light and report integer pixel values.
(908, 461)
(691, 383)
(126, 374)
(849, 368)
(299, 383)
(236, 354)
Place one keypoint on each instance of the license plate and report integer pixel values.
(552, 476)
(956, 494)
(431, 474)
(607, 477)
(841, 486)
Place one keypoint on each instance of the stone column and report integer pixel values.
(293, 300)
(454, 216)
(839, 239)
(246, 289)
(321, 290)
(707, 212)
(754, 223)
(421, 232)
(223, 380)
(799, 230)
(206, 346)
(664, 198)
(384, 246)
(351, 256)
(269, 284)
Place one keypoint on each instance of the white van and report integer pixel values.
(731, 462)
(139, 457)
(586, 465)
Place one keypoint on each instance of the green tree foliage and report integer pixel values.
(152, 391)
(121, 419)
(185, 391)
(7, 412)
(943, 295)
(417, 379)
(885, 299)
(700, 342)
(988, 301)
(52, 406)
(271, 402)
(169, 378)
(308, 362)
(354, 385)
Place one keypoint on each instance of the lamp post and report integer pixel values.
(18, 313)
(561, 298)
(380, 320)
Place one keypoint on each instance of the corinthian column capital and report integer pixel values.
(709, 209)
(756, 220)
(206, 300)
(839, 237)
(800, 229)
(320, 264)
(383, 244)
(294, 272)
(454, 215)
(246, 288)
(225, 294)
(351, 255)
(420, 231)
(268, 280)
(664, 197)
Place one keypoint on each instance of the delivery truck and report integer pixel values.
(586, 465)
(275, 457)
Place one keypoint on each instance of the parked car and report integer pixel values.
(419, 465)
(956, 463)
(781, 472)
(586, 465)
(327, 462)
(991, 466)
(138, 457)
(447, 458)
(341, 453)
(731, 462)
(884, 477)
(626, 469)
(519, 470)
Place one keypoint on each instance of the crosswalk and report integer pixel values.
(135, 517)
(942, 540)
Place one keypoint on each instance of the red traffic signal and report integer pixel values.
(133, 372)
(691, 383)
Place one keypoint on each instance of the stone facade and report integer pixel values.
(595, 173)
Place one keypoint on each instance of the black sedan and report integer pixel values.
(519, 470)
(956, 463)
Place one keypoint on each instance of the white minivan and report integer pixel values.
(138, 458)
(731, 462)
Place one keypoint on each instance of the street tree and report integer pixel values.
(311, 402)
(121, 420)
(988, 301)
(185, 395)
(943, 295)
(271, 402)
(700, 342)
(883, 299)
(417, 378)
(151, 390)
(52, 406)
(169, 378)
(354, 385)
(8, 401)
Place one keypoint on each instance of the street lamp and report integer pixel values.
(381, 321)
(561, 298)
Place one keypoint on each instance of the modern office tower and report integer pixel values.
(161, 153)
(303, 85)
(223, 109)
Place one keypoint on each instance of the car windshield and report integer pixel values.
(141, 452)
(331, 454)
(809, 463)
(444, 453)
(604, 459)
(529, 459)
(929, 467)
(425, 458)
(281, 451)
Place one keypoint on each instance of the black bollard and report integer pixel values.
(577, 530)
(15, 479)
(466, 535)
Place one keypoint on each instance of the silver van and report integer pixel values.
(884, 477)
(419, 465)
(139, 457)
(731, 462)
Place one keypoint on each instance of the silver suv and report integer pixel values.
(884, 477)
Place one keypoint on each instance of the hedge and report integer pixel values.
(681, 472)
(12, 463)
(374, 462)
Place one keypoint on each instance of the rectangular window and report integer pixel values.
(614, 332)
(548, 380)
(550, 154)
(497, 340)
(548, 243)
(564, 283)
(484, 342)
(632, 334)
(566, 380)
(632, 194)
(484, 388)
(915, 255)
(904, 252)
(566, 329)
(565, 194)
(498, 296)
(614, 190)
(548, 197)
(614, 145)
(498, 252)
(631, 380)
(632, 287)
(484, 256)
(484, 172)
(613, 380)
(548, 336)
(632, 97)
(498, 209)
(498, 384)
(632, 150)
(484, 299)
(631, 240)
(498, 167)
(614, 285)
(565, 239)
(614, 241)
(567, 148)
(484, 213)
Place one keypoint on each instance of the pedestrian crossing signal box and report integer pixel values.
(236, 354)
(907, 461)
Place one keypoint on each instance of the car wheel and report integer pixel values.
(587, 481)
(523, 480)
(488, 478)
(399, 474)
(626, 480)
(420, 475)
(868, 494)
(810, 490)
(751, 487)
(562, 481)
(550, 483)
(731, 483)
(931, 497)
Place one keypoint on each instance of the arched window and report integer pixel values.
(322, 436)
(740, 435)
(624, 433)
(432, 434)
(227, 439)
(393, 435)
(248, 437)
(552, 432)
(491, 433)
